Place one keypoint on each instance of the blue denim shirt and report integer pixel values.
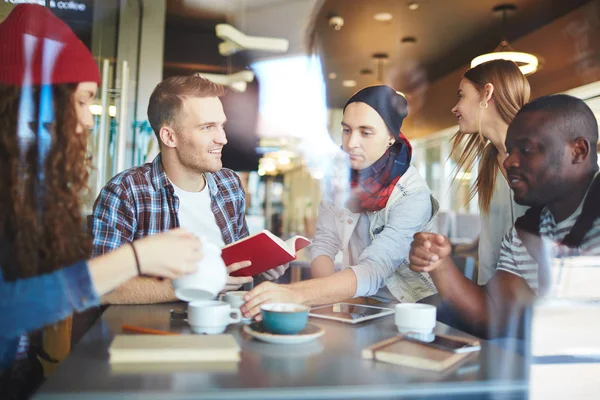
(32, 303)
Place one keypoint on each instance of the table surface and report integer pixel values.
(328, 367)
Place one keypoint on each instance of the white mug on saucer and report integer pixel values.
(413, 317)
(235, 298)
(208, 280)
(211, 316)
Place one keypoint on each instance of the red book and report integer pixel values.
(265, 250)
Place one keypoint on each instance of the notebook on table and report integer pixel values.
(226, 367)
(398, 350)
(180, 348)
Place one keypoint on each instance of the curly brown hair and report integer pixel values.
(42, 226)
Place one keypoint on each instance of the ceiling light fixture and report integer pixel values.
(332, 75)
(528, 63)
(349, 83)
(96, 109)
(380, 59)
(235, 41)
(383, 17)
(237, 81)
(270, 167)
(336, 22)
(413, 5)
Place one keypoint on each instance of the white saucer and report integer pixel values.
(310, 332)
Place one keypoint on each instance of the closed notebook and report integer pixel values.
(180, 348)
(400, 351)
(265, 250)
(135, 368)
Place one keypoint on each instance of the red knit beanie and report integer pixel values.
(32, 32)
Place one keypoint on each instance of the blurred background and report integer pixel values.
(284, 112)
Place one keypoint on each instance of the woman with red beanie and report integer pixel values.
(48, 80)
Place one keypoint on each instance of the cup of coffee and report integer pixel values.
(284, 318)
(208, 280)
(413, 317)
(235, 298)
(211, 316)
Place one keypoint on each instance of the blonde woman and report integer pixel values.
(489, 97)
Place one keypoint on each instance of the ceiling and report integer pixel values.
(216, 8)
(191, 43)
(449, 34)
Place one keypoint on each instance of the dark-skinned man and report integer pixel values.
(551, 167)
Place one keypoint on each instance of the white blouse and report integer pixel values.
(494, 225)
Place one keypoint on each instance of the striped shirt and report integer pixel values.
(141, 201)
(515, 259)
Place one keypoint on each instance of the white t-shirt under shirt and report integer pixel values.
(515, 259)
(195, 215)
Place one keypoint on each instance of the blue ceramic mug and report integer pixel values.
(284, 318)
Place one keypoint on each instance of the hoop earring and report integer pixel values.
(483, 104)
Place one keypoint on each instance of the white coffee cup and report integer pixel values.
(413, 317)
(235, 298)
(211, 316)
(208, 280)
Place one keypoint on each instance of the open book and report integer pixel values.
(265, 250)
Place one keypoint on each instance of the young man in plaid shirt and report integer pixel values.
(185, 186)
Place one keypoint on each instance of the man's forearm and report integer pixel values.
(141, 290)
(463, 295)
(331, 289)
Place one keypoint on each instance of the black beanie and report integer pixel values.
(388, 103)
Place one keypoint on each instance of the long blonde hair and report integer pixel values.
(511, 92)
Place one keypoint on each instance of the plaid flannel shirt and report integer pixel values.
(141, 201)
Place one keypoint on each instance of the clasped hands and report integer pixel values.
(428, 251)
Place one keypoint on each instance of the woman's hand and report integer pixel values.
(170, 254)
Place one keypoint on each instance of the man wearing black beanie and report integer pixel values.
(389, 202)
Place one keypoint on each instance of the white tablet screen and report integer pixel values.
(348, 311)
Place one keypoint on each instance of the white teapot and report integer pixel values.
(208, 281)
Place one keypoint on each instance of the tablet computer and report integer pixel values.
(349, 313)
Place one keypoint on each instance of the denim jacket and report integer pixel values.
(411, 208)
(32, 303)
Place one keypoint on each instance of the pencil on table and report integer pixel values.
(139, 329)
